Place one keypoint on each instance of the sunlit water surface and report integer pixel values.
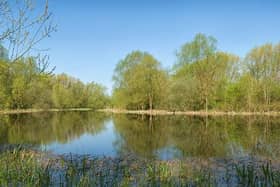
(162, 137)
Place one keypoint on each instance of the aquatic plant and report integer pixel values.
(21, 167)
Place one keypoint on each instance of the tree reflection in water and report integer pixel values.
(44, 128)
(198, 137)
(149, 137)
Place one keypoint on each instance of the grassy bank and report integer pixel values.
(189, 113)
(30, 168)
(22, 111)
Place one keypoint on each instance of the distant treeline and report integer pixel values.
(24, 84)
(202, 78)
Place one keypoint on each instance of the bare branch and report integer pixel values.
(22, 28)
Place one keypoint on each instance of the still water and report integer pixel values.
(162, 137)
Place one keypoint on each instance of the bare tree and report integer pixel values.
(23, 25)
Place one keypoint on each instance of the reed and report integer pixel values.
(21, 167)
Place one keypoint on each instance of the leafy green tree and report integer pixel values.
(96, 96)
(201, 47)
(264, 65)
(182, 91)
(39, 92)
(241, 94)
(23, 72)
(205, 69)
(23, 85)
(140, 82)
(61, 95)
(69, 92)
(4, 84)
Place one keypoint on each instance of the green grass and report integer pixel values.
(23, 168)
(30, 168)
(251, 175)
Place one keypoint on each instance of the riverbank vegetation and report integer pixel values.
(21, 167)
(23, 86)
(203, 78)
(27, 80)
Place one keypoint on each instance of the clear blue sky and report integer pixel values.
(94, 35)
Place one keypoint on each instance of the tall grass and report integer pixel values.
(29, 168)
(252, 175)
(19, 168)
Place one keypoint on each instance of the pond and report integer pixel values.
(159, 137)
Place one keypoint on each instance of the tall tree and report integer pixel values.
(96, 96)
(200, 48)
(140, 82)
(263, 64)
(200, 62)
(4, 84)
(69, 92)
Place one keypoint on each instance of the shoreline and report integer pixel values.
(188, 113)
(26, 111)
(146, 112)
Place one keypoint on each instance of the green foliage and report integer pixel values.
(95, 96)
(23, 85)
(201, 47)
(69, 92)
(139, 82)
(205, 73)
(4, 84)
(203, 78)
(21, 167)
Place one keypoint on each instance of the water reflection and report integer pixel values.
(44, 128)
(157, 137)
(198, 137)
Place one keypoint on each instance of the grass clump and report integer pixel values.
(254, 175)
(20, 167)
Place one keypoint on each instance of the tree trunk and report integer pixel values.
(151, 123)
(150, 103)
(206, 105)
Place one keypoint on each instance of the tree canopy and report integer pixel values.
(23, 85)
(139, 82)
(202, 78)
